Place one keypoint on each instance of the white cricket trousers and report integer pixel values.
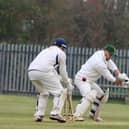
(85, 87)
(47, 83)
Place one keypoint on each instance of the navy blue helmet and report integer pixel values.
(61, 42)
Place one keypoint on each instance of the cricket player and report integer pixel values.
(43, 74)
(99, 64)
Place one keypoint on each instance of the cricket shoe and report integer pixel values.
(38, 118)
(78, 118)
(57, 117)
(98, 119)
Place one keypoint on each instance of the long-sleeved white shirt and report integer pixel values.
(48, 58)
(97, 66)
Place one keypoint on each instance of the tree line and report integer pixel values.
(84, 23)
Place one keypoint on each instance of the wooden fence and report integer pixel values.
(15, 59)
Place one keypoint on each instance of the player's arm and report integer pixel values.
(122, 76)
(62, 68)
(112, 66)
(63, 72)
(104, 71)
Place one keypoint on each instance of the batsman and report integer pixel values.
(99, 64)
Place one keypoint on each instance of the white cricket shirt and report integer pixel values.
(47, 59)
(97, 66)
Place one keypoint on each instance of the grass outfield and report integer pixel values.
(16, 112)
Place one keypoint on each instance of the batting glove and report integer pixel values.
(122, 76)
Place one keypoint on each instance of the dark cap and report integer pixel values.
(111, 49)
(61, 42)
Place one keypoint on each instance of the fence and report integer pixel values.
(15, 59)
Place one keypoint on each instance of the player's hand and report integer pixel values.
(118, 82)
(70, 88)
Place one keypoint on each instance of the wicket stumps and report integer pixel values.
(68, 108)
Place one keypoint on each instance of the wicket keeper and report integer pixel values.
(42, 72)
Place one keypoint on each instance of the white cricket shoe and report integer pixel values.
(38, 118)
(98, 119)
(78, 118)
(57, 117)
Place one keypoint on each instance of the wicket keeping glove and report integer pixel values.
(70, 87)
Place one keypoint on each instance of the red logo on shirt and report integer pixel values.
(84, 79)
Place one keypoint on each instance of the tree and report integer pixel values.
(92, 23)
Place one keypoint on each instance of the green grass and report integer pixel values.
(16, 112)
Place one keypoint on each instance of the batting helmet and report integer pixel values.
(61, 42)
(111, 49)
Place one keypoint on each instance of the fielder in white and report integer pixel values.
(99, 64)
(43, 74)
